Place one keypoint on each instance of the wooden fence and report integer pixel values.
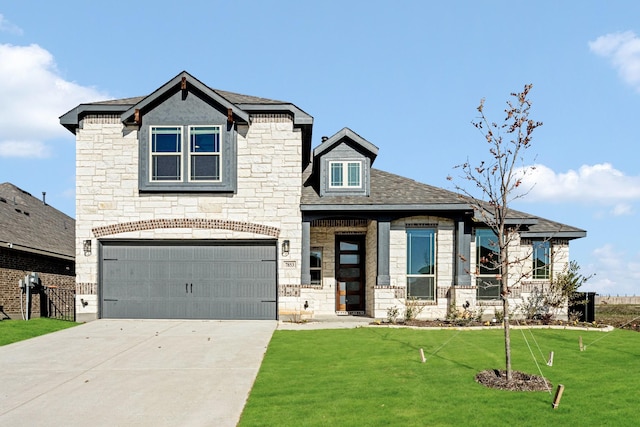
(609, 299)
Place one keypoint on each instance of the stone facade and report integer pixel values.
(275, 188)
(109, 205)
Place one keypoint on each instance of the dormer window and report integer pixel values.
(345, 174)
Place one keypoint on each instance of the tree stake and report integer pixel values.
(556, 400)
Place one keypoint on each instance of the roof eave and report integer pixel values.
(436, 207)
(300, 117)
(348, 133)
(22, 248)
(573, 234)
(71, 119)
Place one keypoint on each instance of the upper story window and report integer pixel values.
(541, 259)
(345, 174)
(168, 153)
(204, 153)
(421, 264)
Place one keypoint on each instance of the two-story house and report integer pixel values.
(194, 202)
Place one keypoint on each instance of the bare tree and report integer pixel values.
(498, 179)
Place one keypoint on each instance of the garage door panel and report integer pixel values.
(210, 281)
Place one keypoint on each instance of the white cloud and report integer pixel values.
(616, 272)
(600, 183)
(32, 97)
(8, 27)
(622, 209)
(24, 149)
(623, 50)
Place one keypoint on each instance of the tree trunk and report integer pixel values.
(507, 337)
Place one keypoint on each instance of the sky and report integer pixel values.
(405, 75)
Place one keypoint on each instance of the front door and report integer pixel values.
(350, 274)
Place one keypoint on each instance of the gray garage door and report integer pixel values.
(176, 281)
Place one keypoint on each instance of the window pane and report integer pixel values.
(166, 139)
(205, 139)
(421, 251)
(353, 287)
(348, 246)
(205, 168)
(349, 258)
(487, 252)
(541, 260)
(315, 258)
(336, 175)
(488, 288)
(353, 273)
(316, 277)
(165, 168)
(354, 174)
(421, 288)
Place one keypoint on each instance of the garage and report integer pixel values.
(187, 280)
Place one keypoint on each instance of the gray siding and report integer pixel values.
(185, 110)
(344, 152)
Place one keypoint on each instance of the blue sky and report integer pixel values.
(405, 75)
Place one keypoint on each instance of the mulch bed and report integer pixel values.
(520, 381)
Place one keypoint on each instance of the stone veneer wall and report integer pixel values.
(396, 294)
(108, 205)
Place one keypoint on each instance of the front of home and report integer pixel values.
(205, 204)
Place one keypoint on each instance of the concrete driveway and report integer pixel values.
(133, 373)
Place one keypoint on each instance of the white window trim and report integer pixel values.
(345, 173)
(152, 154)
(190, 154)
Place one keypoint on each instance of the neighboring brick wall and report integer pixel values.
(14, 265)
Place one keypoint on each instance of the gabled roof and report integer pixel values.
(30, 225)
(393, 193)
(240, 104)
(361, 143)
(174, 85)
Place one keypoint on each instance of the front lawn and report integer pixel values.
(18, 330)
(374, 377)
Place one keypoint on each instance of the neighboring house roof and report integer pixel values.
(394, 193)
(30, 225)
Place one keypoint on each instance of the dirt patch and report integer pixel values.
(520, 381)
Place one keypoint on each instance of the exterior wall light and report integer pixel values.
(285, 248)
(86, 247)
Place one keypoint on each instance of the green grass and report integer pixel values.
(18, 330)
(374, 377)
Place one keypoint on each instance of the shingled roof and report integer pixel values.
(390, 192)
(27, 223)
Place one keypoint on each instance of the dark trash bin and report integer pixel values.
(585, 303)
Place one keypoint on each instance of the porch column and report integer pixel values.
(383, 253)
(463, 255)
(305, 271)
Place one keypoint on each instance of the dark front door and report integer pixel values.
(350, 274)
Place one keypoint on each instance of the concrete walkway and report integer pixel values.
(133, 373)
